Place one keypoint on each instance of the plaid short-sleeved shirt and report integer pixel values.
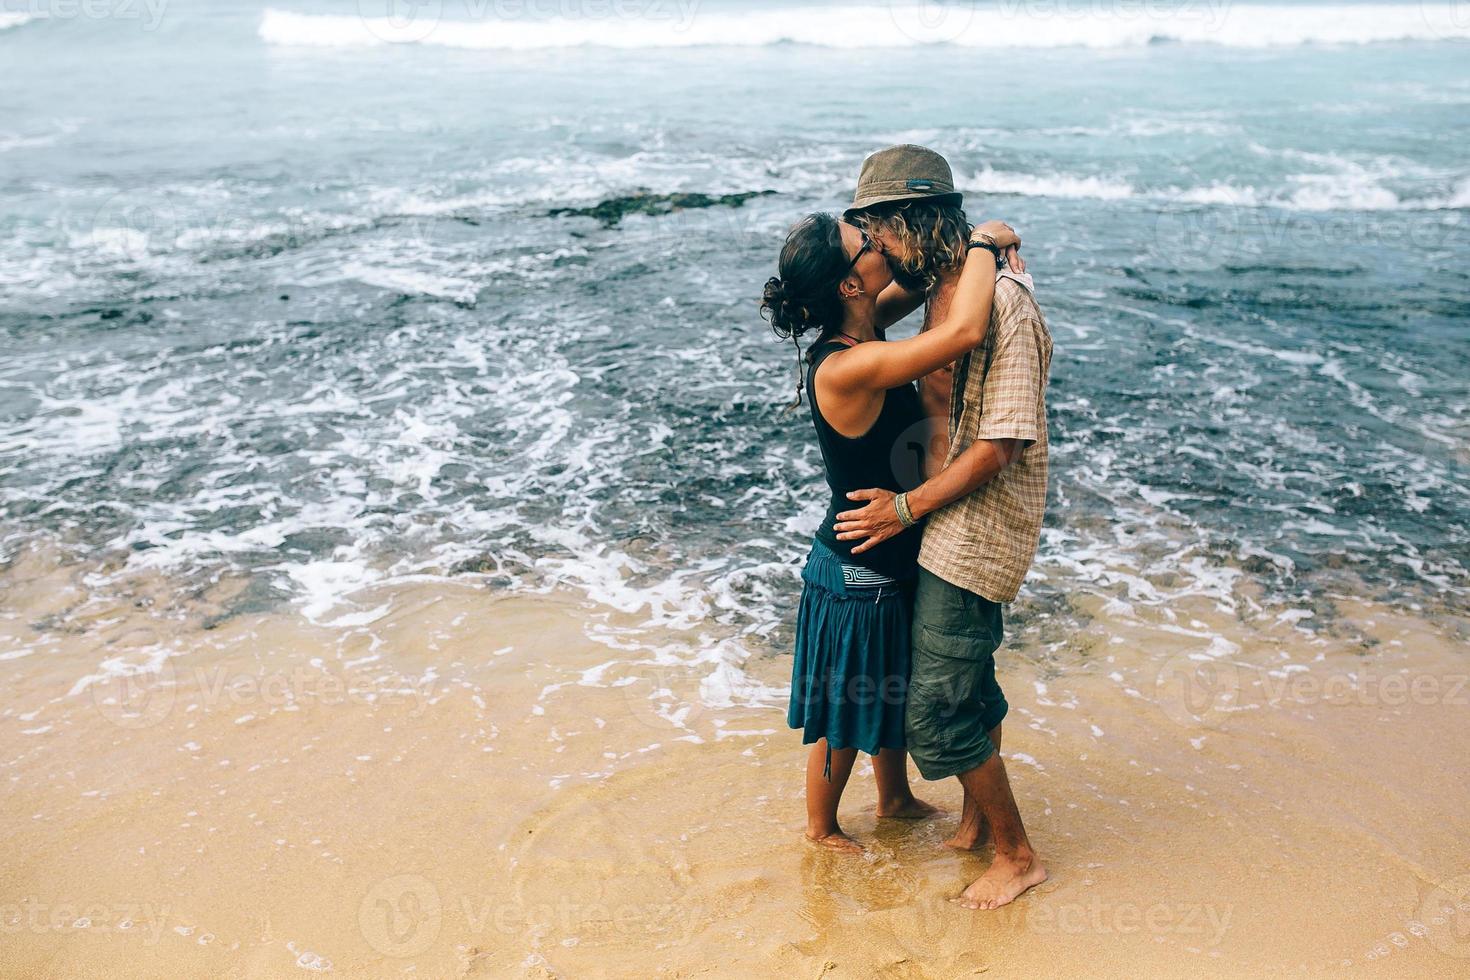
(985, 541)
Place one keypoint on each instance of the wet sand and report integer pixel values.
(449, 782)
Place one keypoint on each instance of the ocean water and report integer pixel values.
(281, 295)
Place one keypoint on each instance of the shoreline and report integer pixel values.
(471, 785)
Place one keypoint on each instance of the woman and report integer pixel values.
(851, 668)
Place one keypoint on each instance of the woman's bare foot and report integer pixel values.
(837, 841)
(911, 808)
(1006, 878)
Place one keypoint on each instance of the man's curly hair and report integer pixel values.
(924, 238)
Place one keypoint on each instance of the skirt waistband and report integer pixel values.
(856, 576)
(826, 570)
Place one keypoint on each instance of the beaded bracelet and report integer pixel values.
(905, 516)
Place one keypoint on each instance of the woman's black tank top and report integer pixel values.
(888, 456)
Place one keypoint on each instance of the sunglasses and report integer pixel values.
(865, 247)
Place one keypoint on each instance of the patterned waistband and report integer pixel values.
(858, 577)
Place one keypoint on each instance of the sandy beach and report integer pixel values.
(402, 507)
(456, 783)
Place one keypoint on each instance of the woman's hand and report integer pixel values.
(1006, 240)
(999, 232)
(876, 522)
(1014, 262)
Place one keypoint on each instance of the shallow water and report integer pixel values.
(297, 309)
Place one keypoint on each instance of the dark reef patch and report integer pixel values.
(614, 209)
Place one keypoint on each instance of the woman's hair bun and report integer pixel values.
(804, 296)
(775, 293)
(789, 317)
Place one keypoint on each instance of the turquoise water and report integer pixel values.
(298, 308)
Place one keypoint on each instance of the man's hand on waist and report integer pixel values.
(872, 524)
(976, 466)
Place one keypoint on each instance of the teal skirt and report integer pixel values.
(850, 673)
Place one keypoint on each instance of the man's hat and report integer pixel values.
(904, 173)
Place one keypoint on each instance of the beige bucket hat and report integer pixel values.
(903, 173)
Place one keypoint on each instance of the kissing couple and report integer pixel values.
(935, 450)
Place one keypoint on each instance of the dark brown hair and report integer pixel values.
(804, 298)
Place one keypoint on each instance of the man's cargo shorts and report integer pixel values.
(954, 700)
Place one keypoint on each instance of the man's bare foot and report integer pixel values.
(969, 839)
(1005, 879)
(837, 841)
(912, 808)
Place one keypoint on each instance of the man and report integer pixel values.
(984, 509)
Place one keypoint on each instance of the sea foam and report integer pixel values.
(1007, 25)
(10, 20)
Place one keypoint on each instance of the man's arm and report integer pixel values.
(971, 470)
(1011, 421)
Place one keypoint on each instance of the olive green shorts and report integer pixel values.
(954, 700)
